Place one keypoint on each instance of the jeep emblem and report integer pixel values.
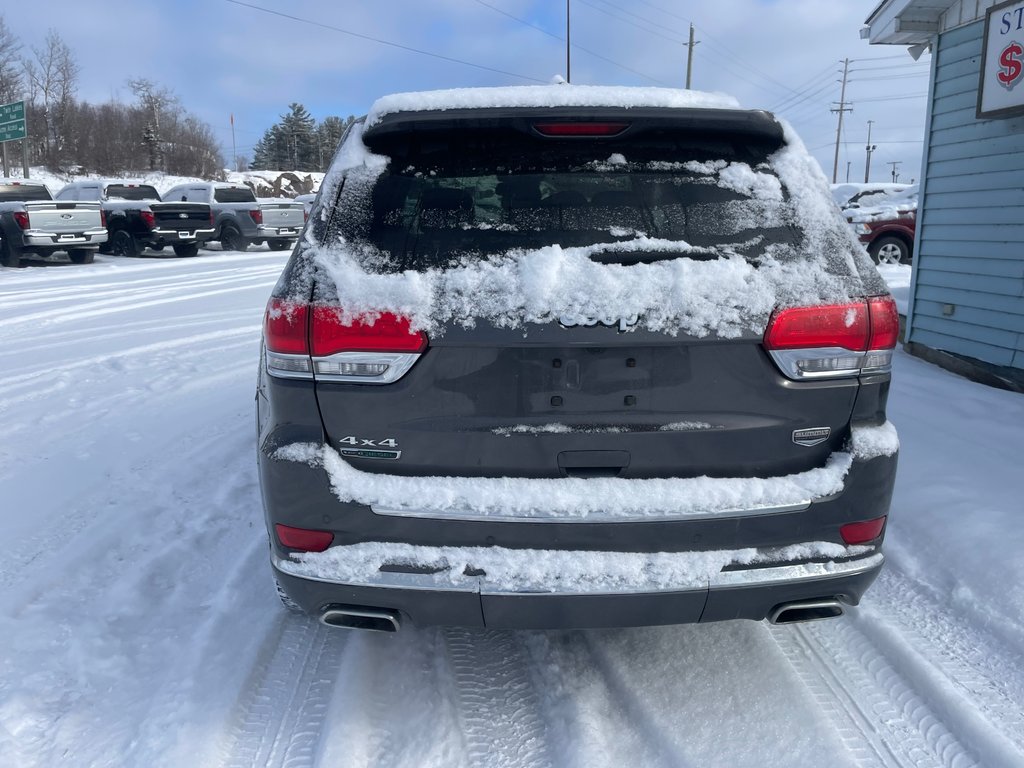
(811, 436)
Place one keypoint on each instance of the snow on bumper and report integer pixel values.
(495, 570)
(590, 499)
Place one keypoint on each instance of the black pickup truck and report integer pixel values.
(137, 219)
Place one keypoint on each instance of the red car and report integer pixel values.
(885, 223)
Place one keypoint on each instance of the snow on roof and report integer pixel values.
(547, 96)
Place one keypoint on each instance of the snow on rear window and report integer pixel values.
(721, 292)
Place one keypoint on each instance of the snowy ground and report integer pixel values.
(139, 626)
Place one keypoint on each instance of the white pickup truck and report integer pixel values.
(31, 221)
(240, 219)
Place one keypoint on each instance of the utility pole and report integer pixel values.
(689, 57)
(895, 173)
(568, 63)
(840, 109)
(870, 148)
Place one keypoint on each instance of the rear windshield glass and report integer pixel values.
(136, 192)
(10, 193)
(234, 195)
(437, 203)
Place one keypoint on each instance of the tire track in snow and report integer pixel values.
(876, 710)
(281, 712)
(498, 705)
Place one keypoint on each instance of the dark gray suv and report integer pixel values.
(574, 357)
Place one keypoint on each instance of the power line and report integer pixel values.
(620, 17)
(361, 36)
(595, 54)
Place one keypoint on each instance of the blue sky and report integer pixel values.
(222, 57)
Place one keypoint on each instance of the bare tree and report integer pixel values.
(52, 75)
(156, 101)
(10, 68)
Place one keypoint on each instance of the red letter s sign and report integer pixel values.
(1010, 65)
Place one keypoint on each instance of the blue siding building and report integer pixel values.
(966, 306)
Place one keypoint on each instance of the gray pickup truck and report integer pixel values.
(137, 219)
(31, 221)
(240, 219)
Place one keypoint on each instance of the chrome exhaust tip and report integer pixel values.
(359, 617)
(806, 610)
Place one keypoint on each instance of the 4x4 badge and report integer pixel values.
(811, 436)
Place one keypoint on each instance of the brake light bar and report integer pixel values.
(834, 340)
(316, 342)
(580, 129)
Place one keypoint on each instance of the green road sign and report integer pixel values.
(12, 121)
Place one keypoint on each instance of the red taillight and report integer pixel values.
(580, 129)
(303, 539)
(285, 327)
(148, 218)
(885, 322)
(305, 215)
(862, 532)
(831, 325)
(103, 218)
(834, 340)
(21, 217)
(388, 333)
(257, 216)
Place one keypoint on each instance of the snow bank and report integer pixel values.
(545, 570)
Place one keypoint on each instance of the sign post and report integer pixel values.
(12, 128)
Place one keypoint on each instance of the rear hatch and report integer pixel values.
(64, 217)
(581, 395)
(181, 217)
(284, 218)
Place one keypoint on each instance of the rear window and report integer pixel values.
(135, 192)
(234, 195)
(11, 193)
(443, 199)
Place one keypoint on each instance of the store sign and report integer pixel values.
(1001, 92)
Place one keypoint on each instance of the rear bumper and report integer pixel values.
(273, 233)
(183, 235)
(59, 240)
(745, 593)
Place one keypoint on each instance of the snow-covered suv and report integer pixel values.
(574, 356)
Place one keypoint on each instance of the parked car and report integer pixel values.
(885, 222)
(569, 356)
(240, 220)
(136, 218)
(31, 222)
(307, 202)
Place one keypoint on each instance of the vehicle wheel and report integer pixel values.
(123, 243)
(280, 245)
(231, 239)
(8, 256)
(81, 255)
(286, 601)
(186, 249)
(889, 250)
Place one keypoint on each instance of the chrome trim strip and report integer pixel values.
(751, 577)
(476, 517)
